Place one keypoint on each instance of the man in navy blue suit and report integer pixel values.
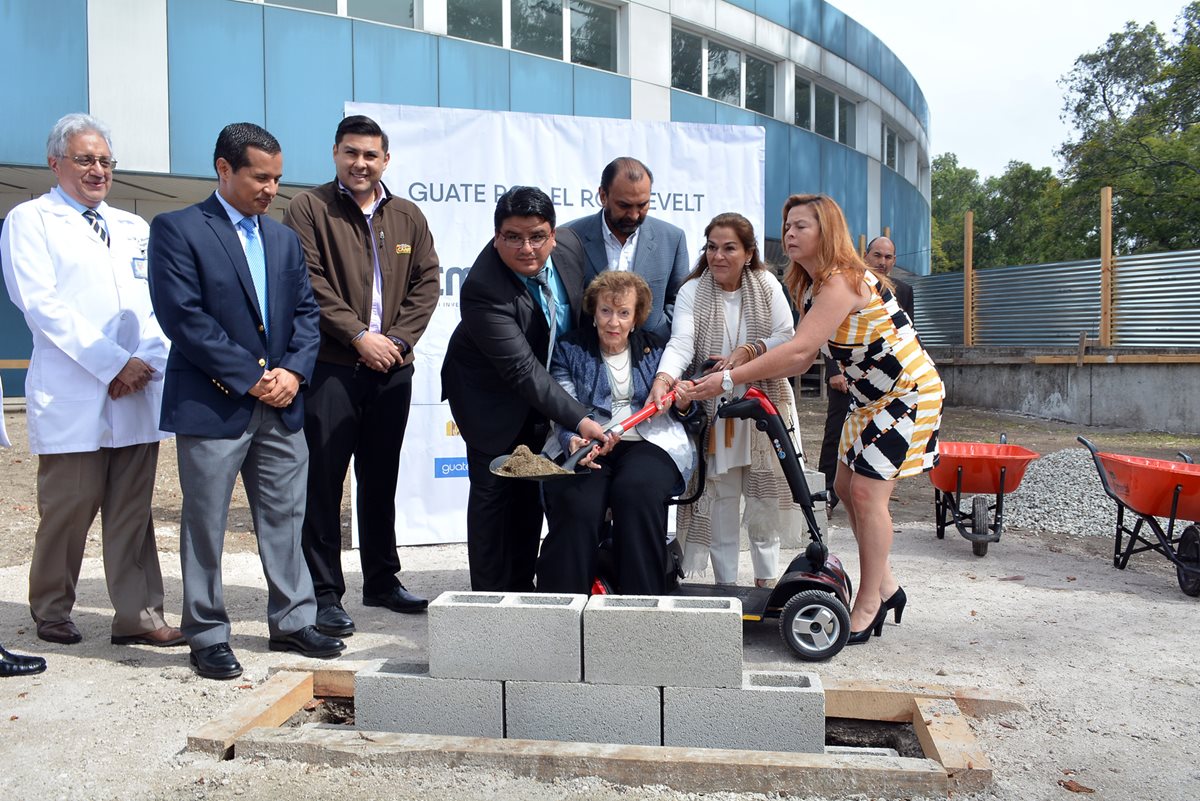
(230, 288)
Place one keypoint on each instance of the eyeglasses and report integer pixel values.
(87, 161)
(516, 242)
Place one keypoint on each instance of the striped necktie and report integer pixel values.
(97, 224)
(542, 280)
(258, 266)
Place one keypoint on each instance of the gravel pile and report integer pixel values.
(1061, 492)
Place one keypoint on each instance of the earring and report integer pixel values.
(748, 262)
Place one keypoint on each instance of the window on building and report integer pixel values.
(687, 62)
(389, 11)
(891, 148)
(760, 86)
(803, 103)
(846, 121)
(537, 27)
(826, 112)
(704, 67)
(593, 35)
(477, 20)
(578, 31)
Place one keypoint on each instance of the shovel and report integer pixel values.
(573, 460)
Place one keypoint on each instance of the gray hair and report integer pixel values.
(73, 125)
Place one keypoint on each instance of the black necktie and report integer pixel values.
(97, 224)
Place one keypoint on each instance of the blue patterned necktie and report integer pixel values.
(543, 282)
(258, 266)
(97, 224)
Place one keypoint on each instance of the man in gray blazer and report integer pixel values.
(623, 237)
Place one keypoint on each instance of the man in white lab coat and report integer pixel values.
(76, 268)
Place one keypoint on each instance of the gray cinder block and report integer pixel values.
(506, 636)
(773, 711)
(665, 641)
(402, 697)
(583, 713)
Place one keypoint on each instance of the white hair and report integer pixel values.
(73, 125)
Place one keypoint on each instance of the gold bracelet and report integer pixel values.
(750, 351)
(666, 379)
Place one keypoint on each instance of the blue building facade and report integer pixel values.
(842, 115)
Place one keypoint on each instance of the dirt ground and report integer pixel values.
(1104, 660)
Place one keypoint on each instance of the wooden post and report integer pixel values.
(1106, 267)
(969, 279)
(887, 231)
(862, 245)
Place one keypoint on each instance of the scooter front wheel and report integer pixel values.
(814, 624)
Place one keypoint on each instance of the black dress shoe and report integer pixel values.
(398, 600)
(334, 621)
(20, 664)
(216, 662)
(309, 642)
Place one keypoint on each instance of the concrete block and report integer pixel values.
(402, 697)
(583, 713)
(773, 711)
(662, 641)
(506, 636)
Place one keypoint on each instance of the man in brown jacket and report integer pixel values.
(375, 275)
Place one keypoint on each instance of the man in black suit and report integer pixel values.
(880, 257)
(516, 301)
(230, 289)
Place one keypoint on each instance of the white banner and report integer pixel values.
(455, 164)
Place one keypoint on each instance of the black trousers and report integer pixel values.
(635, 480)
(835, 415)
(504, 518)
(359, 412)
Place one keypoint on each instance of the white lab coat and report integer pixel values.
(4, 443)
(88, 307)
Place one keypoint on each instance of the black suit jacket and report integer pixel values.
(904, 296)
(494, 374)
(205, 301)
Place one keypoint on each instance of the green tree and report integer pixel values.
(1135, 103)
(954, 191)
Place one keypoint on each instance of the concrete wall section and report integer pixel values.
(773, 711)
(524, 636)
(650, 640)
(403, 697)
(583, 713)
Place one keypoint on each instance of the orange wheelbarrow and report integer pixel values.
(1150, 489)
(976, 468)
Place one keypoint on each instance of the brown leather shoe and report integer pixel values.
(62, 632)
(161, 637)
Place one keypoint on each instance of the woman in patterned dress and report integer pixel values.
(850, 314)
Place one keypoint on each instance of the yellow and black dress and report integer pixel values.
(891, 430)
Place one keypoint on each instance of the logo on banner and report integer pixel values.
(450, 468)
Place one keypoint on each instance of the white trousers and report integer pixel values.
(726, 493)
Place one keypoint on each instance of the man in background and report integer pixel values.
(375, 275)
(622, 236)
(76, 268)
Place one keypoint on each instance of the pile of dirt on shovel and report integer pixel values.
(524, 463)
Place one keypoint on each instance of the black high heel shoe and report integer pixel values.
(896, 603)
(860, 637)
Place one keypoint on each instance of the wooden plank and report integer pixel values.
(946, 737)
(692, 770)
(14, 364)
(864, 700)
(270, 704)
(1121, 358)
(335, 680)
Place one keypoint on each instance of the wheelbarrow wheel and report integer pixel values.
(814, 624)
(979, 524)
(1189, 554)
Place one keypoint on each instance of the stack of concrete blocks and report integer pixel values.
(633, 670)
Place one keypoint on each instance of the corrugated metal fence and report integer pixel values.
(1156, 303)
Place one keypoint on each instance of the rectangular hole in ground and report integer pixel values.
(874, 734)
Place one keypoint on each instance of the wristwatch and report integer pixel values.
(726, 382)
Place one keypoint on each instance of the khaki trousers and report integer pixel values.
(119, 482)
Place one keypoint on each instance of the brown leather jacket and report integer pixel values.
(337, 246)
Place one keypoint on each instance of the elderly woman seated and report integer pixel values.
(609, 367)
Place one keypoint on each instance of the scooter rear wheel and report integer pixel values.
(814, 624)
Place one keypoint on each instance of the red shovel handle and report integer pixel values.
(648, 411)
